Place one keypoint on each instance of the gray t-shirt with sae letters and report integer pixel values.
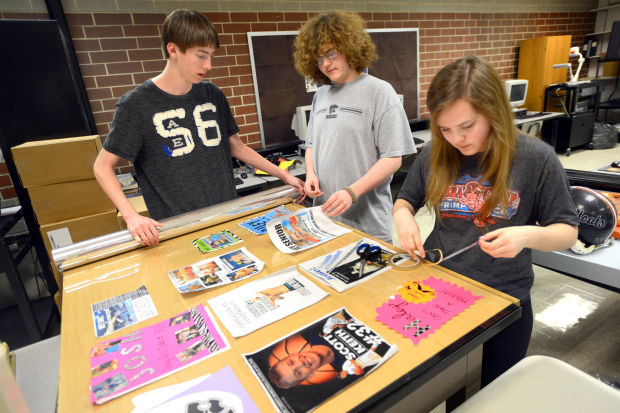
(179, 146)
(351, 127)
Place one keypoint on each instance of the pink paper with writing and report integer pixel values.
(418, 320)
(125, 363)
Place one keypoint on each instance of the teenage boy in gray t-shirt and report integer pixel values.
(358, 129)
(179, 132)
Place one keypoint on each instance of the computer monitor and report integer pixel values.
(517, 91)
(613, 48)
(300, 121)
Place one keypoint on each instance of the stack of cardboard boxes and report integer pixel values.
(68, 203)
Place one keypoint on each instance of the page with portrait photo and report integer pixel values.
(303, 369)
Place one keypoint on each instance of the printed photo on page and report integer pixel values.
(220, 392)
(123, 364)
(341, 269)
(304, 229)
(216, 241)
(231, 267)
(258, 225)
(262, 302)
(122, 311)
(304, 368)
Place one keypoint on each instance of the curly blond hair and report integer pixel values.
(341, 30)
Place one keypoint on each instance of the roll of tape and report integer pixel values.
(404, 261)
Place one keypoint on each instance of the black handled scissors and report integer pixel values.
(367, 252)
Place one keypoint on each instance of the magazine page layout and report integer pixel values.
(258, 225)
(123, 364)
(304, 229)
(307, 367)
(220, 392)
(122, 311)
(216, 241)
(261, 302)
(341, 268)
(231, 267)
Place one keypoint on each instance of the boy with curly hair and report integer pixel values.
(358, 130)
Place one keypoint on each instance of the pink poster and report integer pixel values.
(123, 364)
(422, 307)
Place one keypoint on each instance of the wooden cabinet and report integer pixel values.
(536, 59)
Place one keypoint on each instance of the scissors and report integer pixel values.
(367, 252)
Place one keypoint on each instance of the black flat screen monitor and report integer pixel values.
(613, 48)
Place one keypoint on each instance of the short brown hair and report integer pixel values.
(188, 28)
(344, 31)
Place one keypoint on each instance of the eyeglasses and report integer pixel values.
(329, 55)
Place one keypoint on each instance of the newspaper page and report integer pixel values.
(122, 311)
(212, 272)
(303, 369)
(303, 229)
(341, 268)
(262, 302)
(122, 364)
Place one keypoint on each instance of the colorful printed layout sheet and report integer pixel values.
(304, 229)
(216, 241)
(341, 268)
(261, 302)
(258, 225)
(147, 401)
(123, 364)
(212, 272)
(422, 307)
(303, 369)
(220, 392)
(122, 311)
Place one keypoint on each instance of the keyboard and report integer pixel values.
(529, 115)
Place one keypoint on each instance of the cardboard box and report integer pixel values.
(139, 205)
(56, 160)
(610, 69)
(68, 200)
(58, 301)
(64, 233)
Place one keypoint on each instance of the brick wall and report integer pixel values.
(117, 51)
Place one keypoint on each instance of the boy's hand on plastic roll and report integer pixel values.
(143, 229)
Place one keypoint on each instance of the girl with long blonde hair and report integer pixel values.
(490, 184)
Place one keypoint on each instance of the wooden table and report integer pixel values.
(410, 368)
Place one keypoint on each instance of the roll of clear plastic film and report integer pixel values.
(404, 261)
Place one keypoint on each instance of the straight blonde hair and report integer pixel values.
(474, 80)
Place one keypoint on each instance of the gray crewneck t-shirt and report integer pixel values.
(351, 127)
